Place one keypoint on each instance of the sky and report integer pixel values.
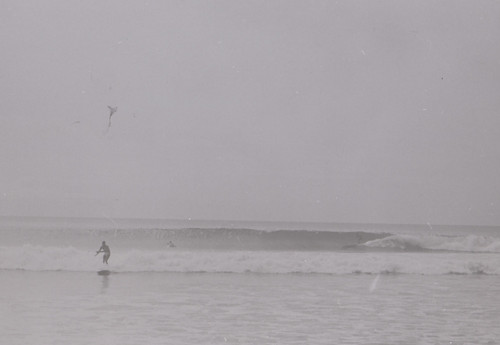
(263, 110)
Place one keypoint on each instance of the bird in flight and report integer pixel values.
(112, 110)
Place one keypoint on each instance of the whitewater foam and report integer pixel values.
(407, 242)
(38, 258)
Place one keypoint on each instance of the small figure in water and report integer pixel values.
(107, 253)
(171, 244)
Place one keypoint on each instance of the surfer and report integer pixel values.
(107, 253)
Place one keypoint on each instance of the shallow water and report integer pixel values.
(217, 308)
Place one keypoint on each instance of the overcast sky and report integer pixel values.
(335, 111)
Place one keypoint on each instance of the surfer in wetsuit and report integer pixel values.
(107, 253)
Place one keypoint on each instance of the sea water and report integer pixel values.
(247, 283)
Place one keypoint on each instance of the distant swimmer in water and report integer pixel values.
(171, 244)
(107, 253)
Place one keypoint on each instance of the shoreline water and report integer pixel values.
(216, 308)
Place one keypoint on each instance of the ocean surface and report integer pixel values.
(207, 282)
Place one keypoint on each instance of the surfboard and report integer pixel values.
(104, 272)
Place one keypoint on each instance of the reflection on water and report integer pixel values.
(104, 284)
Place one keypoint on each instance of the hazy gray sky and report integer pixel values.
(342, 111)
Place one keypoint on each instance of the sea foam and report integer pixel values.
(409, 242)
(39, 258)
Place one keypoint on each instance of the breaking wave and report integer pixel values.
(340, 250)
(253, 240)
(469, 243)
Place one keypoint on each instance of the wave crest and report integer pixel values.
(470, 243)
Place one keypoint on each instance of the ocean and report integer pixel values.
(209, 282)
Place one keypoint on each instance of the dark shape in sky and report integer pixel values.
(112, 110)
